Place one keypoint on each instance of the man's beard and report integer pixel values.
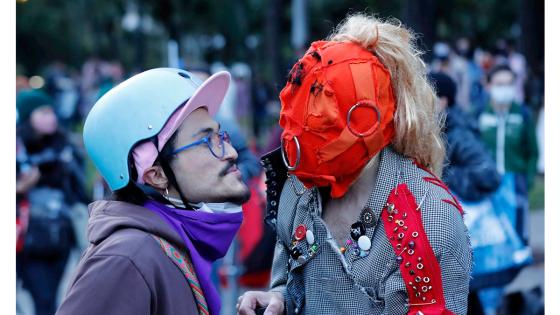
(241, 197)
(238, 197)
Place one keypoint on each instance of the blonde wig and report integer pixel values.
(417, 124)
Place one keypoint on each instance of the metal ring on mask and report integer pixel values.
(366, 103)
(298, 155)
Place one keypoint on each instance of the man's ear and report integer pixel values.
(155, 177)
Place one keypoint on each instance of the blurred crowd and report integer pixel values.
(493, 125)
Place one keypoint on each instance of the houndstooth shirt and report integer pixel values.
(332, 282)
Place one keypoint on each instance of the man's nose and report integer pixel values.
(230, 152)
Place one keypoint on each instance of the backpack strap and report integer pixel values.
(183, 262)
(417, 262)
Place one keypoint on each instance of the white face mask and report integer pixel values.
(221, 207)
(503, 95)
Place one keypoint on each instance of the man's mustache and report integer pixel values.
(227, 167)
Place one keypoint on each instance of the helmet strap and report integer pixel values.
(172, 180)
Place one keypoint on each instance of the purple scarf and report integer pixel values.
(207, 237)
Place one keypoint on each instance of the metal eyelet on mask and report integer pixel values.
(366, 103)
(298, 155)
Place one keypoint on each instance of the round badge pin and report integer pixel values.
(300, 232)
(368, 217)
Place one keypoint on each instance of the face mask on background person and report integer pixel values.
(502, 95)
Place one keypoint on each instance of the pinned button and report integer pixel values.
(314, 248)
(310, 237)
(364, 242)
(295, 253)
(300, 232)
(368, 217)
(356, 230)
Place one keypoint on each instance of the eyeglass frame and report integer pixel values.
(223, 135)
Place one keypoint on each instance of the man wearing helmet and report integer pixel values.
(364, 225)
(177, 198)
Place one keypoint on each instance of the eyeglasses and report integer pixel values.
(214, 141)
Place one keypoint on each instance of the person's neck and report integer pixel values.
(367, 179)
(500, 109)
(340, 213)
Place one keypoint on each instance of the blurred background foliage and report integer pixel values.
(136, 32)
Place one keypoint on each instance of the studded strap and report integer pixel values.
(418, 264)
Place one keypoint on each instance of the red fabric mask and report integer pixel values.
(337, 113)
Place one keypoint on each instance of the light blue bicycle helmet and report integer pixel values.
(151, 103)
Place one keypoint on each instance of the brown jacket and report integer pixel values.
(124, 270)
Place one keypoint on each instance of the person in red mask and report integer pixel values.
(364, 224)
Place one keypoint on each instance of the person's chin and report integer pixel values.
(241, 193)
(238, 197)
(238, 190)
(244, 193)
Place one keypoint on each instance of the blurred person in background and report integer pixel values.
(60, 83)
(518, 65)
(177, 195)
(27, 177)
(441, 61)
(260, 95)
(508, 131)
(241, 73)
(364, 225)
(47, 153)
(471, 88)
(470, 171)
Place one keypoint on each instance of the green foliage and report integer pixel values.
(72, 31)
(482, 21)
